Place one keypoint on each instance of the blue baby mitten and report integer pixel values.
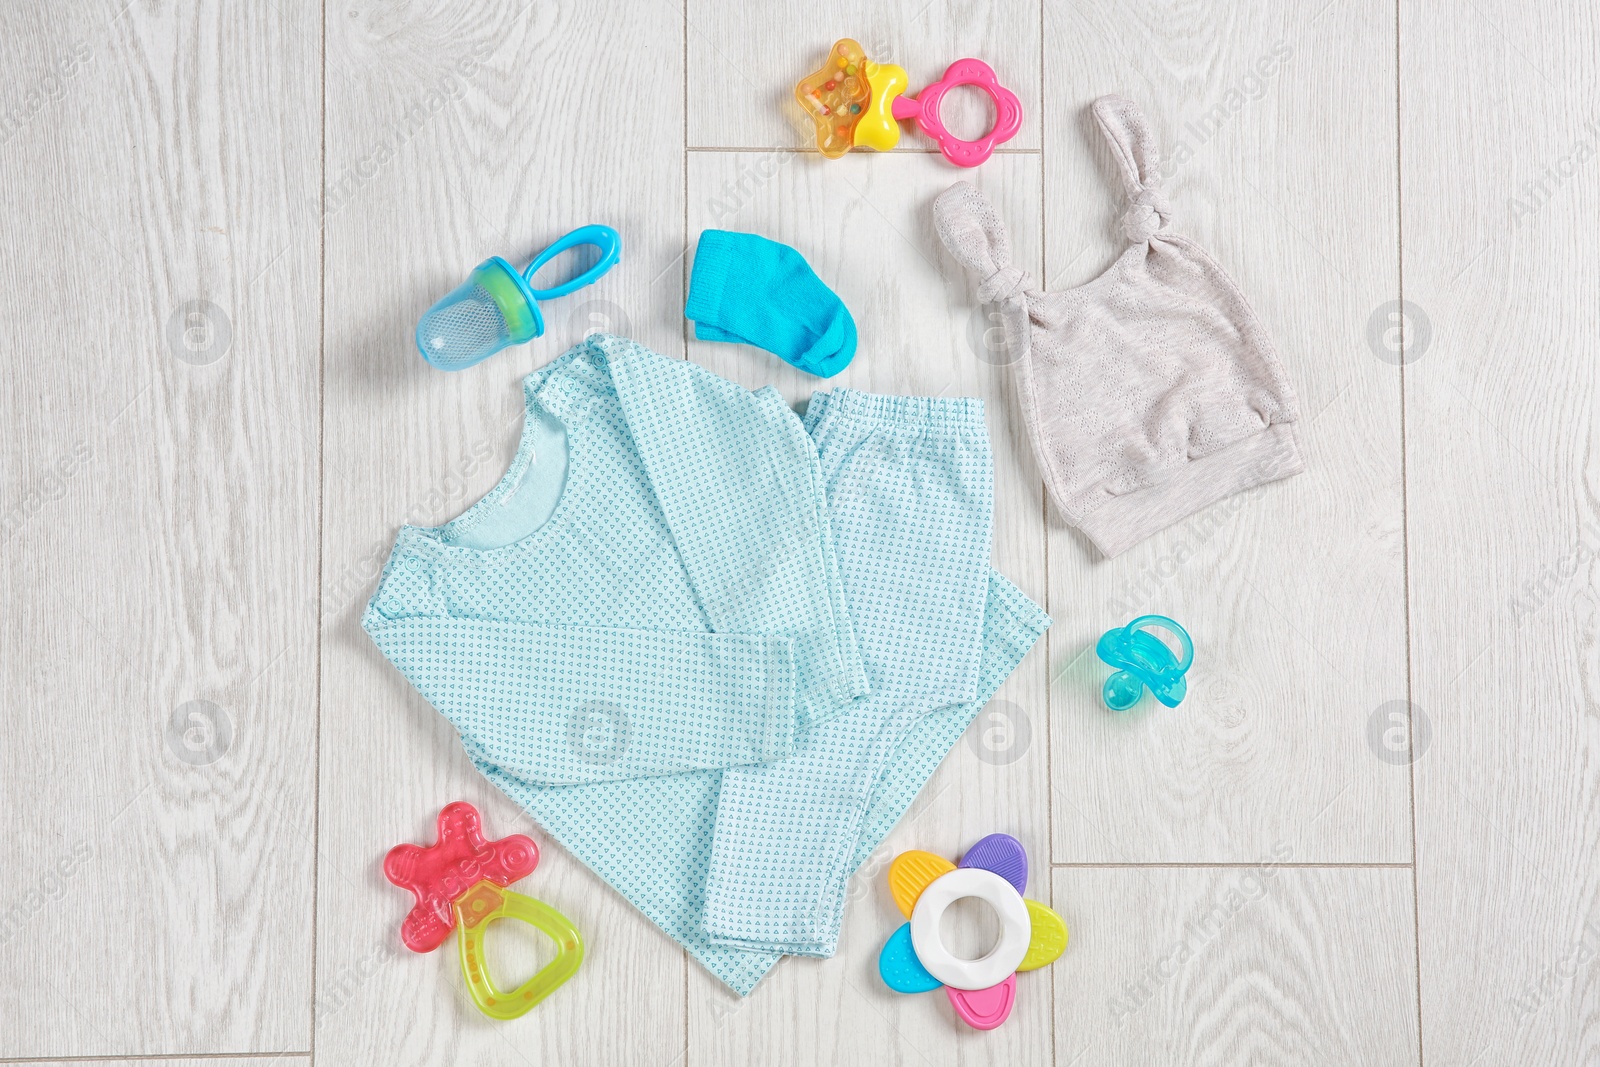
(753, 291)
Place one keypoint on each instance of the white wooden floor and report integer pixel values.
(221, 221)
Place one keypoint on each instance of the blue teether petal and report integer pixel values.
(899, 967)
(1002, 854)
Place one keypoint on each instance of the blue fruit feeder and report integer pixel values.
(497, 306)
(1144, 661)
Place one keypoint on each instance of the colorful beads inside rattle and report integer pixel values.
(834, 97)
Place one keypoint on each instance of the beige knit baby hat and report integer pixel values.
(1150, 392)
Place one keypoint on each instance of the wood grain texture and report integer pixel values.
(195, 501)
(747, 58)
(1500, 181)
(160, 528)
(1278, 124)
(1235, 965)
(865, 225)
(229, 1061)
(455, 134)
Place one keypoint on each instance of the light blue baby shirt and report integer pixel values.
(650, 595)
(642, 573)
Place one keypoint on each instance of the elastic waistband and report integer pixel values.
(908, 412)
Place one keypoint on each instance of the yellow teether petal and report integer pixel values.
(910, 874)
(1049, 937)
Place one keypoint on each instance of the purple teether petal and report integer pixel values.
(1002, 854)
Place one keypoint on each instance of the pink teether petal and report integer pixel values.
(984, 1009)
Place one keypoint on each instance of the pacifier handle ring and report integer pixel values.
(924, 108)
(604, 238)
(1163, 623)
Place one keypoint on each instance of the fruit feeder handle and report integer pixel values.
(602, 237)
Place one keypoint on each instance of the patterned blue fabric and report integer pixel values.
(651, 595)
(910, 495)
(683, 590)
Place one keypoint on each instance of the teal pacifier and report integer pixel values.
(1143, 661)
(497, 306)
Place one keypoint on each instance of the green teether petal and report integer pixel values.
(1049, 938)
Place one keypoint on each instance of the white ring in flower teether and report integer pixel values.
(1016, 928)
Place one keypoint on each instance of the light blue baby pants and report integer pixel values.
(909, 482)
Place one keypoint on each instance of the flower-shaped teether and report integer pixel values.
(460, 882)
(915, 960)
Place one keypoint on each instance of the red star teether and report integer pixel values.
(460, 884)
(443, 871)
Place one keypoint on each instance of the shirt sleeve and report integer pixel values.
(738, 482)
(565, 705)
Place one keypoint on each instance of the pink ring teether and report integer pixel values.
(924, 108)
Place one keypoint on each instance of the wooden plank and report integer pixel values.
(1223, 965)
(159, 306)
(1498, 141)
(747, 58)
(1277, 123)
(495, 136)
(865, 226)
(291, 1060)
